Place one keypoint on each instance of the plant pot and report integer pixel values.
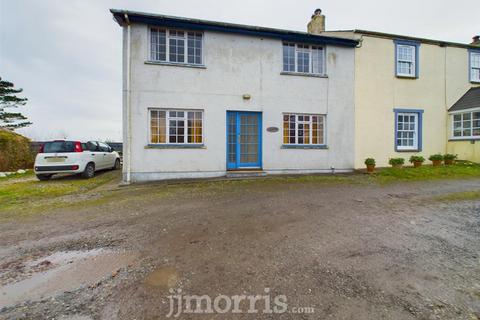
(370, 168)
(417, 164)
(397, 166)
(449, 162)
(436, 163)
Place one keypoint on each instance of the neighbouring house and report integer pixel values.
(404, 88)
(204, 99)
(464, 123)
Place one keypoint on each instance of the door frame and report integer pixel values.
(258, 165)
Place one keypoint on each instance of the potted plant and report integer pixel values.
(417, 161)
(436, 159)
(449, 158)
(370, 163)
(396, 162)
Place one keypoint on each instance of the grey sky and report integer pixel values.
(66, 54)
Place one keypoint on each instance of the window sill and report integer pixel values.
(300, 146)
(175, 146)
(302, 74)
(408, 150)
(399, 76)
(173, 64)
(475, 81)
(465, 139)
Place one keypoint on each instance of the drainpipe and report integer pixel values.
(128, 149)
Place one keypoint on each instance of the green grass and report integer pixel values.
(15, 175)
(459, 196)
(460, 170)
(21, 194)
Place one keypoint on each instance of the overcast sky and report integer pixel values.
(66, 54)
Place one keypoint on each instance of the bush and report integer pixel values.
(15, 151)
(416, 159)
(370, 162)
(449, 156)
(436, 157)
(396, 161)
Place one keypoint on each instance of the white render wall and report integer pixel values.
(237, 65)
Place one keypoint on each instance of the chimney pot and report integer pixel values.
(476, 41)
(317, 23)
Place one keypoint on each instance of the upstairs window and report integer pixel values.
(176, 46)
(475, 66)
(301, 58)
(406, 59)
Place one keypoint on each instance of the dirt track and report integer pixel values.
(348, 251)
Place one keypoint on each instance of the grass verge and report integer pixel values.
(460, 170)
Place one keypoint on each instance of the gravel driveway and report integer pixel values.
(341, 251)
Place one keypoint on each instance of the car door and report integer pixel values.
(108, 161)
(96, 154)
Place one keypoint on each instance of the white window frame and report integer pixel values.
(310, 122)
(167, 49)
(415, 131)
(298, 48)
(413, 61)
(462, 137)
(167, 126)
(471, 67)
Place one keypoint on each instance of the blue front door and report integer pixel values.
(244, 140)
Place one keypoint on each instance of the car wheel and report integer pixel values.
(44, 177)
(117, 164)
(89, 171)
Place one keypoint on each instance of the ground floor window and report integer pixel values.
(176, 126)
(304, 129)
(408, 127)
(466, 125)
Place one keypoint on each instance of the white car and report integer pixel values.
(61, 156)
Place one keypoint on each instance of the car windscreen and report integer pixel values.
(58, 147)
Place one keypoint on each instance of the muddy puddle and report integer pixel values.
(164, 277)
(63, 271)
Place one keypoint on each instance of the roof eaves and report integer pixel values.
(197, 24)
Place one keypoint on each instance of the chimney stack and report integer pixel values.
(476, 41)
(317, 24)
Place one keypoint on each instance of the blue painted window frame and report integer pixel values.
(470, 51)
(419, 112)
(416, 44)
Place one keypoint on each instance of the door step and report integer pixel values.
(245, 174)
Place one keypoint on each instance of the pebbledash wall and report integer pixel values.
(234, 65)
(442, 78)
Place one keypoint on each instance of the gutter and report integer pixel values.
(128, 148)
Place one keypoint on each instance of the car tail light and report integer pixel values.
(41, 148)
(78, 146)
(75, 167)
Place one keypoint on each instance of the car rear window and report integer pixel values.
(58, 147)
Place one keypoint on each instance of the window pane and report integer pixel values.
(317, 60)
(194, 48)
(158, 47)
(288, 57)
(303, 61)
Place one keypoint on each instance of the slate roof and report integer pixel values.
(469, 100)
(124, 17)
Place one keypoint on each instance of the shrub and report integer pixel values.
(396, 161)
(15, 151)
(436, 157)
(416, 159)
(370, 162)
(450, 156)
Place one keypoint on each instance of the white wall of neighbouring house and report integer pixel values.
(236, 65)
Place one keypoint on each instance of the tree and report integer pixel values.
(8, 99)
